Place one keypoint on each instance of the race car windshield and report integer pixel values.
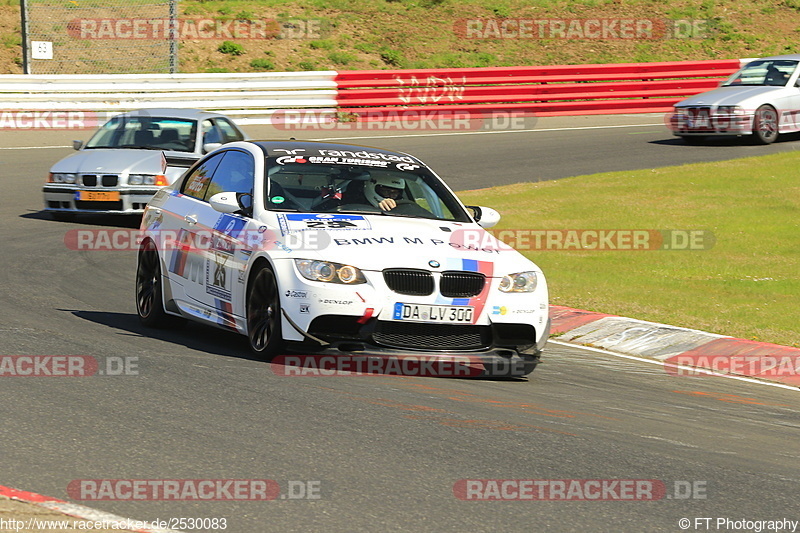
(146, 133)
(321, 188)
(774, 73)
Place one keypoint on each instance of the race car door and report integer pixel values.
(208, 239)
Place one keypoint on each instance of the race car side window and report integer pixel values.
(234, 174)
(197, 182)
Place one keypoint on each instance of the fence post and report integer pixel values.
(23, 7)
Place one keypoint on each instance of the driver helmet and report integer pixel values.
(379, 188)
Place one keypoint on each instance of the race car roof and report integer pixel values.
(325, 149)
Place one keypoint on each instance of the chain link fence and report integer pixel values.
(99, 37)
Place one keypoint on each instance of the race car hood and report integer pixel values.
(376, 242)
(739, 95)
(116, 161)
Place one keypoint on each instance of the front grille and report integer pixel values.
(99, 206)
(106, 180)
(409, 281)
(432, 336)
(698, 118)
(457, 284)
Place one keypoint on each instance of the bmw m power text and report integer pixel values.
(337, 249)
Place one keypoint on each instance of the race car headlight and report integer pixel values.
(519, 282)
(329, 272)
(61, 177)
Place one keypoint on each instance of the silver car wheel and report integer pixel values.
(765, 124)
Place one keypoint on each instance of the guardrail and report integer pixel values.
(233, 94)
(548, 90)
(543, 90)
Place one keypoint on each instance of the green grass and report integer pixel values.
(747, 285)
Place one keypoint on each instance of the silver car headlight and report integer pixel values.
(329, 272)
(730, 110)
(147, 179)
(62, 177)
(519, 282)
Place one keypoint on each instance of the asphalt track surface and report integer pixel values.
(384, 451)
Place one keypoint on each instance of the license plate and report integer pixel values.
(699, 120)
(97, 196)
(453, 314)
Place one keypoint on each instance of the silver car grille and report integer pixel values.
(103, 180)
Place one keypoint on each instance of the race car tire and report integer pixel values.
(149, 301)
(765, 125)
(264, 314)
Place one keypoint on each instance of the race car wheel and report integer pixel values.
(765, 125)
(149, 303)
(264, 315)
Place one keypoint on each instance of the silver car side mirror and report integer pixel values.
(77, 145)
(210, 147)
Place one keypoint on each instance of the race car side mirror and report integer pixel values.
(77, 145)
(486, 217)
(225, 202)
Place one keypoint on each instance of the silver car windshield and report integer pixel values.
(146, 133)
(775, 72)
(321, 188)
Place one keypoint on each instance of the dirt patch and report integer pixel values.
(10, 39)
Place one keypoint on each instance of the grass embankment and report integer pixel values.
(747, 285)
(392, 34)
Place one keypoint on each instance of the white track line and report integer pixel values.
(536, 130)
(30, 147)
(377, 135)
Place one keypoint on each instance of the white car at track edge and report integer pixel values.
(760, 101)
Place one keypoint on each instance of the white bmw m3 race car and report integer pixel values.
(337, 249)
